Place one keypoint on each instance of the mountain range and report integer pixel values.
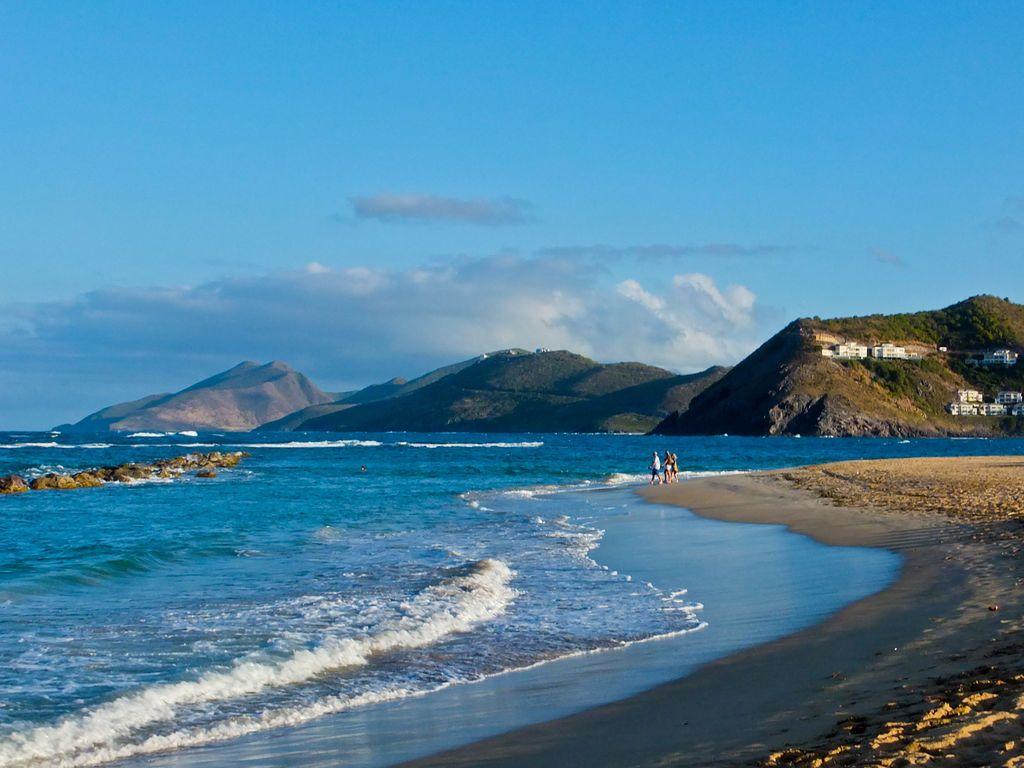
(789, 385)
(518, 391)
(507, 391)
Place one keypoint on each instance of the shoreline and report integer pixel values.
(872, 657)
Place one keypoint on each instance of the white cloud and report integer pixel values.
(414, 207)
(889, 258)
(357, 325)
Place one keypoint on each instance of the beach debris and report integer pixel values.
(203, 464)
(13, 484)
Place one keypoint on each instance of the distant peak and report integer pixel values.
(278, 365)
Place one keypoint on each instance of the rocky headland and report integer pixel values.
(202, 464)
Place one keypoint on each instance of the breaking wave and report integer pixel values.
(477, 594)
(314, 444)
(56, 445)
(532, 444)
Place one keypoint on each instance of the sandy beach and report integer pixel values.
(929, 671)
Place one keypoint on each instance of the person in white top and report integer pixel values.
(655, 469)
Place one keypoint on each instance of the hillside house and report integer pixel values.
(849, 350)
(1017, 410)
(963, 409)
(969, 396)
(1009, 398)
(992, 409)
(999, 357)
(888, 351)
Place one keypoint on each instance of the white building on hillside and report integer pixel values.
(889, 351)
(849, 350)
(1009, 398)
(1017, 410)
(963, 409)
(969, 396)
(1000, 357)
(992, 409)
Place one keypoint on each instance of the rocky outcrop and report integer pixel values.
(203, 464)
(13, 484)
(53, 481)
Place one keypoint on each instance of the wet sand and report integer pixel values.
(929, 671)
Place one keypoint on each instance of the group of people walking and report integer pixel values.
(664, 470)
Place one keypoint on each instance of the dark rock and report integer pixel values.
(13, 484)
(86, 480)
(53, 482)
(204, 463)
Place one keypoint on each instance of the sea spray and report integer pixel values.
(477, 595)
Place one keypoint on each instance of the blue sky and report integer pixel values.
(400, 183)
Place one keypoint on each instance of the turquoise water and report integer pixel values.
(167, 616)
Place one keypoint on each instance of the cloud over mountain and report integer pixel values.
(355, 325)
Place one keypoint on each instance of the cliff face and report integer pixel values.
(787, 387)
(526, 392)
(239, 399)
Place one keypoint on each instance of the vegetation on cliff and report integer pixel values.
(787, 387)
(515, 391)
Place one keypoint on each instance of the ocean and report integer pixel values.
(458, 586)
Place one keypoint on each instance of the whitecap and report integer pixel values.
(529, 444)
(481, 593)
(62, 446)
(314, 444)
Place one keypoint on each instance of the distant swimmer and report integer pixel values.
(655, 469)
(362, 468)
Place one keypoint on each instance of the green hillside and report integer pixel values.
(787, 386)
(393, 388)
(517, 391)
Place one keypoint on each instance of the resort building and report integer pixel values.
(888, 351)
(992, 409)
(963, 409)
(849, 350)
(969, 396)
(999, 357)
(1009, 398)
(1017, 410)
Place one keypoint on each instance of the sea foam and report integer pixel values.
(479, 593)
(314, 444)
(528, 444)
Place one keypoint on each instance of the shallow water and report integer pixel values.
(300, 590)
